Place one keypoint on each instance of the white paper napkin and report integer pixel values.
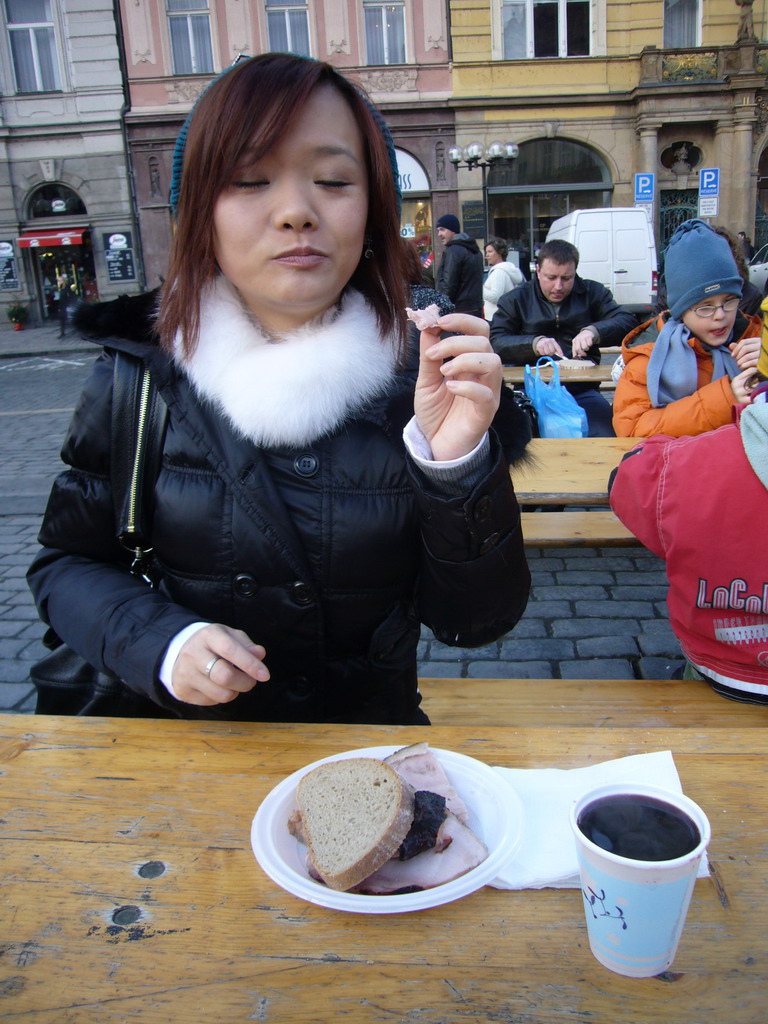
(547, 856)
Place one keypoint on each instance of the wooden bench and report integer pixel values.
(585, 703)
(575, 528)
(566, 472)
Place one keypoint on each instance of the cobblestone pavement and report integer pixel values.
(593, 613)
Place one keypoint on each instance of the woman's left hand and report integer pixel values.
(456, 401)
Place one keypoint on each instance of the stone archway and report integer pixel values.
(549, 178)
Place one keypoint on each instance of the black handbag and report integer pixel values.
(66, 684)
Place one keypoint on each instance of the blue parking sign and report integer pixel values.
(644, 187)
(709, 181)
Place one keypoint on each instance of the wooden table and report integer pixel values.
(130, 892)
(599, 373)
(586, 703)
(570, 470)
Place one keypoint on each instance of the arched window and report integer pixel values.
(549, 178)
(53, 201)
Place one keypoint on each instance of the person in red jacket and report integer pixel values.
(697, 502)
(685, 370)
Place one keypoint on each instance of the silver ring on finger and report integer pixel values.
(209, 667)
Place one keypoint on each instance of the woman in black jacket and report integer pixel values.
(311, 508)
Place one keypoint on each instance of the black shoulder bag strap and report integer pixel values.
(66, 684)
(139, 419)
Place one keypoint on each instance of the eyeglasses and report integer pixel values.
(727, 307)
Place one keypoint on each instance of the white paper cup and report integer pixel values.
(635, 909)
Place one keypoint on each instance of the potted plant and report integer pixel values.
(18, 314)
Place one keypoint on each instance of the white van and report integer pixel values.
(617, 248)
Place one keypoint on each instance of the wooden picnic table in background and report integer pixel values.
(592, 374)
(130, 891)
(569, 470)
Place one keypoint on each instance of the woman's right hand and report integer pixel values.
(741, 393)
(238, 665)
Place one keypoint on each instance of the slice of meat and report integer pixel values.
(464, 852)
(419, 766)
(425, 319)
(429, 816)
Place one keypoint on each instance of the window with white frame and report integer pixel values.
(681, 23)
(545, 28)
(33, 45)
(384, 32)
(288, 27)
(189, 26)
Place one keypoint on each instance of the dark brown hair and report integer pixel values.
(499, 245)
(559, 251)
(252, 107)
(414, 271)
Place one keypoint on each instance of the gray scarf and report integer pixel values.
(672, 366)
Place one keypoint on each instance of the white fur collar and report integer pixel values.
(295, 390)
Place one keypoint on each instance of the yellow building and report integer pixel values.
(595, 92)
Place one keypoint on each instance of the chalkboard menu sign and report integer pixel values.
(473, 218)
(118, 252)
(9, 274)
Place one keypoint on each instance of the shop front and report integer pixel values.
(549, 178)
(58, 259)
(416, 214)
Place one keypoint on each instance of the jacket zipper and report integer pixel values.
(136, 475)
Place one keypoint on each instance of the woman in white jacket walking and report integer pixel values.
(502, 278)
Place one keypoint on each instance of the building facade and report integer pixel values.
(66, 209)
(398, 52)
(578, 96)
(594, 93)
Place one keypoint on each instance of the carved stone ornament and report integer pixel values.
(184, 92)
(440, 160)
(400, 80)
(746, 30)
(761, 116)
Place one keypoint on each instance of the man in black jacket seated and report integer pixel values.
(559, 314)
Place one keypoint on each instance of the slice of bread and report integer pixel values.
(355, 814)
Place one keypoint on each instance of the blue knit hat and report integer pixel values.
(177, 164)
(698, 265)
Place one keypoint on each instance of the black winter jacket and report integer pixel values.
(524, 314)
(330, 556)
(460, 275)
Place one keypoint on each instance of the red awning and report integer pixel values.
(34, 239)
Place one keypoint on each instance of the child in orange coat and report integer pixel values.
(687, 369)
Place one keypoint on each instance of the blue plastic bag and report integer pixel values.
(558, 412)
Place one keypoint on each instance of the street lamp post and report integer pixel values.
(474, 155)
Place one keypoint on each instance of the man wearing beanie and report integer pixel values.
(686, 369)
(460, 275)
(717, 599)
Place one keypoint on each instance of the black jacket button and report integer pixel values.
(489, 543)
(306, 465)
(483, 509)
(245, 585)
(300, 593)
(301, 687)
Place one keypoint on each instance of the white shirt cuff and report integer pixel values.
(172, 653)
(420, 449)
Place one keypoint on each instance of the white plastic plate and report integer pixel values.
(495, 813)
